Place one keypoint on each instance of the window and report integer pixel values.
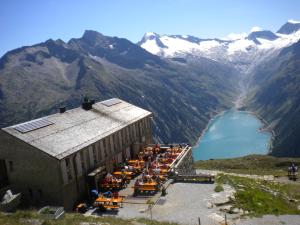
(120, 140)
(141, 128)
(69, 174)
(123, 134)
(145, 125)
(101, 150)
(116, 140)
(109, 145)
(136, 130)
(11, 166)
(98, 148)
(105, 147)
(133, 132)
(128, 135)
(110, 148)
(82, 161)
(94, 154)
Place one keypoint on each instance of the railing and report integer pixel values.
(181, 156)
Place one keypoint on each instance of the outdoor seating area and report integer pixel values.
(110, 201)
(148, 172)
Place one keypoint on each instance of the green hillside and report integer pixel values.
(252, 164)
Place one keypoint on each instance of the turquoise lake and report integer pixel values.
(232, 134)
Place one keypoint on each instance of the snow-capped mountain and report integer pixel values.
(242, 50)
(290, 27)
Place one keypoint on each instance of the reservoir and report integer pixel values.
(232, 134)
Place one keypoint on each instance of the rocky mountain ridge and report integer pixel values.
(183, 95)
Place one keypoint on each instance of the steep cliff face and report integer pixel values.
(36, 80)
(276, 98)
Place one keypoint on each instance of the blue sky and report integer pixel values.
(27, 22)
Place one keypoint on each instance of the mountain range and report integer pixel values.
(243, 51)
(268, 63)
(36, 80)
(184, 80)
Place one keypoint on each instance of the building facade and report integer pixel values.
(56, 159)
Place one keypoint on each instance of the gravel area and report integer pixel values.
(183, 204)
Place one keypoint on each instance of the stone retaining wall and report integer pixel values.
(186, 164)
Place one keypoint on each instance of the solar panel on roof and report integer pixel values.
(111, 102)
(32, 125)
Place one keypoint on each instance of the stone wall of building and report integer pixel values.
(43, 179)
(30, 171)
(185, 165)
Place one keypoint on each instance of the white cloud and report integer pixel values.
(293, 21)
(235, 36)
(255, 29)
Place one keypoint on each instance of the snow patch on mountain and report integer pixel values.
(241, 50)
(239, 45)
(152, 47)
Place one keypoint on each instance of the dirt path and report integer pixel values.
(285, 180)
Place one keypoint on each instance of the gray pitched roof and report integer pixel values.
(78, 128)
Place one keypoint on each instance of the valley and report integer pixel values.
(36, 80)
(184, 80)
(150, 112)
(268, 80)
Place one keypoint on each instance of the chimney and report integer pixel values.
(86, 104)
(62, 109)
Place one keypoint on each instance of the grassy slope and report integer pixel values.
(259, 197)
(28, 217)
(252, 164)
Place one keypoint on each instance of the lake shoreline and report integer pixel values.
(262, 129)
(239, 105)
(265, 128)
(207, 126)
